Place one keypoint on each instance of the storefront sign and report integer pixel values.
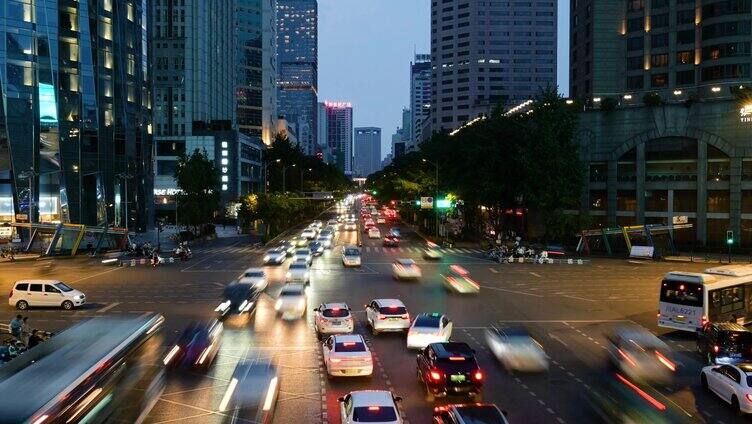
(745, 113)
(681, 219)
(426, 202)
(166, 191)
(6, 232)
(22, 217)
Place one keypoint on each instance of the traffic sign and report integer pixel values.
(426, 202)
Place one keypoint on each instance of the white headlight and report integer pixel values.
(278, 304)
(289, 274)
(301, 304)
(266, 258)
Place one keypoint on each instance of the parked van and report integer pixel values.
(45, 293)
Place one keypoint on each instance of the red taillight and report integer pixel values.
(406, 316)
(704, 320)
(665, 361)
(659, 314)
(477, 376)
(749, 397)
(435, 375)
(456, 358)
(716, 348)
(373, 408)
(382, 317)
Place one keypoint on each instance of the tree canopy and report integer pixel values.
(317, 175)
(198, 180)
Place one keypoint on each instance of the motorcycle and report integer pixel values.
(182, 252)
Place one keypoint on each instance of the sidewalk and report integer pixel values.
(709, 258)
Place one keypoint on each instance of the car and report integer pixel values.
(449, 368)
(255, 277)
(351, 256)
(44, 293)
(301, 242)
(238, 299)
(288, 247)
(475, 413)
(351, 226)
(291, 302)
(347, 355)
(374, 233)
(724, 343)
(369, 222)
(275, 256)
(395, 232)
(640, 355)
(298, 272)
(390, 241)
(316, 224)
(333, 318)
(732, 383)
(196, 347)
(303, 255)
(381, 220)
(308, 233)
(427, 329)
(316, 248)
(432, 251)
(516, 349)
(385, 315)
(406, 269)
(251, 395)
(332, 222)
(371, 406)
(459, 281)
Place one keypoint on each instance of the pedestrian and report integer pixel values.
(15, 327)
(34, 339)
(25, 330)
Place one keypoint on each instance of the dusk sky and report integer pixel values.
(365, 49)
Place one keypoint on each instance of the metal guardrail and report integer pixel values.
(549, 261)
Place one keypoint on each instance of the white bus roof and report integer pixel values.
(726, 274)
(731, 270)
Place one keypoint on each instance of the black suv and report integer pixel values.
(477, 413)
(724, 343)
(449, 369)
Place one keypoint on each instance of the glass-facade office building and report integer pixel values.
(74, 112)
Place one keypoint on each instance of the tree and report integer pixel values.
(198, 180)
(321, 177)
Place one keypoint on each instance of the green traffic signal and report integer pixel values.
(729, 237)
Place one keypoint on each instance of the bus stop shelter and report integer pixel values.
(67, 239)
(615, 240)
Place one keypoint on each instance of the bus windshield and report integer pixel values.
(681, 293)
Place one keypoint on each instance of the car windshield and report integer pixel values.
(406, 262)
(63, 287)
(480, 414)
(254, 274)
(238, 291)
(291, 292)
(352, 252)
(374, 414)
(430, 321)
(273, 252)
(302, 252)
(298, 266)
(336, 313)
(392, 310)
(349, 347)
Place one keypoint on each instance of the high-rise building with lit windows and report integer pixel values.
(297, 60)
(75, 112)
(367, 151)
(339, 135)
(420, 98)
(488, 53)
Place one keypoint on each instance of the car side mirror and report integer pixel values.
(315, 309)
(398, 398)
(365, 306)
(341, 399)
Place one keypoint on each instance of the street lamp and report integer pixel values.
(125, 177)
(284, 172)
(301, 177)
(436, 197)
(266, 174)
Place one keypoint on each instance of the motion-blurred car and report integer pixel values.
(251, 396)
(458, 280)
(238, 299)
(303, 255)
(432, 251)
(275, 257)
(406, 269)
(374, 233)
(298, 272)
(196, 347)
(351, 256)
(316, 224)
(333, 318)
(385, 315)
(516, 349)
(255, 277)
(291, 302)
(395, 232)
(390, 241)
(370, 406)
(380, 220)
(346, 355)
(641, 356)
(301, 242)
(332, 222)
(316, 248)
(474, 413)
(288, 247)
(308, 233)
(427, 329)
(450, 368)
(732, 383)
(351, 226)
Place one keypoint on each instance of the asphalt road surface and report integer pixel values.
(568, 308)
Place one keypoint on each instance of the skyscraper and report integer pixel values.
(339, 122)
(297, 60)
(75, 112)
(194, 77)
(256, 67)
(420, 97)
(485, 53)
(367, 151)
(322, 134)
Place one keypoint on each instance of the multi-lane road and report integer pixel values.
(569, 309)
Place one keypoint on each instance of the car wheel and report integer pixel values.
(704, 381)
(735, 405)
(22, 305)
(67, 305)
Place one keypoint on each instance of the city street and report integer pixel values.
(568, 308)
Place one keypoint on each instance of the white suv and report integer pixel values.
(333, 318)
(28, 293)
(387, 315)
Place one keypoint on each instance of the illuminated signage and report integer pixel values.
(166, 191)
(745, 113)
(47, 104)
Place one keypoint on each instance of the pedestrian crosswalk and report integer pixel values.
(230, 250)
(376, 249)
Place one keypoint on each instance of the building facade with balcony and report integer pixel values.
(666, 128)
(75, 112)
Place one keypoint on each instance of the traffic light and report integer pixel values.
(729, 237)
(374, 192)
(443, 203)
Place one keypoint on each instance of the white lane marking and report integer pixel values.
(494, 270)
(555, 337)
(94, 275)
(108, 307)
(512, 291)
(535, 274)
(578, 298)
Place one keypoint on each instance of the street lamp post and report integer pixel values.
(301, 177)
(436, 196)
(266, 174)
(284, 173)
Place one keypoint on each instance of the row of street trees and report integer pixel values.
(524, 162)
